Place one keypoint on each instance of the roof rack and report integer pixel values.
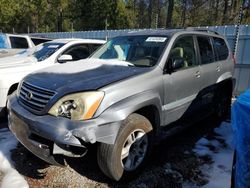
(201, 30)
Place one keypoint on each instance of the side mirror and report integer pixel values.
(64, 58)
(173, 65)
(178, 63)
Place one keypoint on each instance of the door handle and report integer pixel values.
(198, 74)
(218, 68)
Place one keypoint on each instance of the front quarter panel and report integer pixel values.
(125, 97)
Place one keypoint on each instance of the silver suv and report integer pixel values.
(130, 91)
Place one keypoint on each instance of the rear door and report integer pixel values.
(210, 68)
(182, 85)
(222, 54)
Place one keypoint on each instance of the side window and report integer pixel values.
(206, 50)
(78, 52)
(220, 48)
(38, 41)
(19, 42)
(184, 51)
(95, 46)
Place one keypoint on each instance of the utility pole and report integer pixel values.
(245, 4)
(106, 29)
(72, 29)
(156, 21)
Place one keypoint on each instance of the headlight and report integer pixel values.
(79, 106)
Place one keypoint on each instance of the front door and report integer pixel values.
(181, 85)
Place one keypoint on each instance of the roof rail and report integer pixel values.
(201, 30)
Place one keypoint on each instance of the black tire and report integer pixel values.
(3, 113)
(223, 103)
(109, 156)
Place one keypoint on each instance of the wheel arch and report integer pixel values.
(12, 88)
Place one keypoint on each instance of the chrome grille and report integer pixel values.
(33, 97)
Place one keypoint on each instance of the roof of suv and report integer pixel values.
(170, 32)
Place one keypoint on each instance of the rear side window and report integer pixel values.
(221, 49)
(19, 42)
(38, 41)
(206, 50)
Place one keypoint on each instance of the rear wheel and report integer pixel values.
(130, 151)
(223, 103)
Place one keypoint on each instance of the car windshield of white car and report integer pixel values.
(141, 51)
(45, 50)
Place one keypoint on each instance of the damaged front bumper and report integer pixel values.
(47, 136)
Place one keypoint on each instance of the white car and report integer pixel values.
(12, 44)
(14, 68)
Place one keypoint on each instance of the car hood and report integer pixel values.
(14, 61)
(89, 74)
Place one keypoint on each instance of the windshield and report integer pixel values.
(42, 51)
(141, 50)
(45, 50)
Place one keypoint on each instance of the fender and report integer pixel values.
(224, 76)
(119, 111)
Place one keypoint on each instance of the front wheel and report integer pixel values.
(130, 151)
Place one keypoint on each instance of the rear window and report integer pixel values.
(19, 42)
(221, 50)
(206, 50)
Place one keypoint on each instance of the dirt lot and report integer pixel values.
(173, 162)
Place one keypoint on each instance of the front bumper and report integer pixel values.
(54, 134)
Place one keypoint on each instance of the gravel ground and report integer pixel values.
(171, 164)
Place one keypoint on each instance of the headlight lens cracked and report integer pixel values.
(78, 106)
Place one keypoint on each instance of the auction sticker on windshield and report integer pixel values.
(53, 46)
(156, 39)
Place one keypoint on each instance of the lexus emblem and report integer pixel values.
(29, 96)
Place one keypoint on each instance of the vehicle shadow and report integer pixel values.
(172, 154)
(28, 164)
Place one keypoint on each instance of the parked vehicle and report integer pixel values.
(11, 44)
(13, 69)
(131, 91)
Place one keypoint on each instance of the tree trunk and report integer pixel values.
(150, 13)
(224, 16)
(183, 14)
(170, 8)
(216, 12)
